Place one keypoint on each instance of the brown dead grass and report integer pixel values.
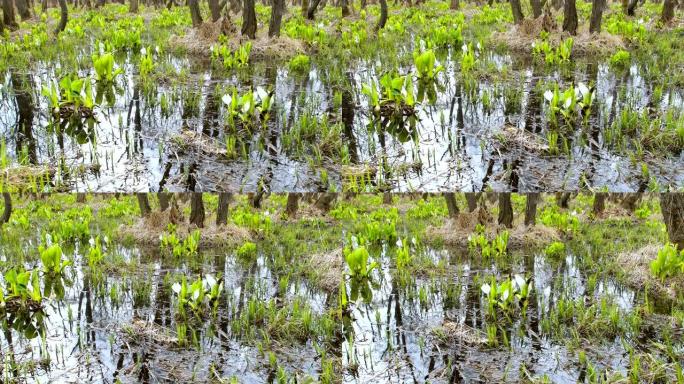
(452, 333)
(520, 38)
(147, 231)
(637, 270)
(455, 232)
(329, 267)
(198, 41)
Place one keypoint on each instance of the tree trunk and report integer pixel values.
(563, 199)
(452, 206)
(518, 16)
(144, 204)
(672, 207)
(249, 21)
(596, 15)
(599, 203)
(222, 211)
(23, 9)
(531, 209)
(311, 11)
(276, 17)
(8, 14)
(80, 197)
(133, 7)
(387, 198)
(305, 8)
(383, 15)
(215, 8)
(631, 7)
(668, 10)
(292, 204)
(195, 14)
(64, 12)
(164, 199)
(7, 212)
(471, 198)
(536, 8)
(454, 4)
(505, 210)
(197, 210)
(630, 200)
(325, 201)
(570, 17)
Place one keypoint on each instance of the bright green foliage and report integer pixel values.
(170, 243)
(669, 262)
(146, 62)
(255, 221)
(553, 56)
(300, 63)
(104, 68)
(497, 247)
(198, 296)
(425, 65)
(620, 59)
(357, 261)
(231, 59)
(247, 250)
(507, 295)
(51, 258)
(563, 221)
(21, 284)
(242, 111)
(555, 250)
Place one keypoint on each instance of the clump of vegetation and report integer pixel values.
(670, 262)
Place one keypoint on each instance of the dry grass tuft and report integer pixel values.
(637, 268)
(147, 231)
(330, 269)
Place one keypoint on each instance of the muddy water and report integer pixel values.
(125, 327)
(456, 145)
(393, 337)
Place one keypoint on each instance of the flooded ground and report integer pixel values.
(496, 126)
(406, 304)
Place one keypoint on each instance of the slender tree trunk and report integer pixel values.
(80, 197)
(668, 10)
(311, 11)
(133, 7)
(164, 200)
(249, 21)
(305, 8)
(197, 210)
(570, 17)
(454, 4)
(672, 207)
(471, 198)
(383, 15)
(64, 12)
(215, 8)
(8, 14)
(596, 15)
(143, 204)
(599, 203)
(7, 211)
(518, 16)
(292, 204)
(536, 8)
(387, 198)
(195, 13)
(505, 210)
(631, 7)
(531, 209)
(452, 206)
(344, 4)
(276, 17)
(563, 199)
(23, 9)
(2, 25)
(222, 211)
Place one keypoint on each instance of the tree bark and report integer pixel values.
(325, 201)
(133, 6)
(454, 4)
(518, 16)
(387, 198)
(668, 10)
(195, 13)
(222, 211)
(505, 210)
(531, 209)
(197, 210)
(452, 206)
(563, 199)
(8, 14)
(215, 8)
(7, 211)
(599, 203)
(471, 198)
(672, 207)
(344, 4)
(631, 7)
(144, 204)
(596, 15)
(277, 10)
(23, 9)
(249, 21)
(311, 11)
(536, 8)
(383, 15)
(292, 204)
(164, 200)
(570, 17)
(64, 12)
(81, 197)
